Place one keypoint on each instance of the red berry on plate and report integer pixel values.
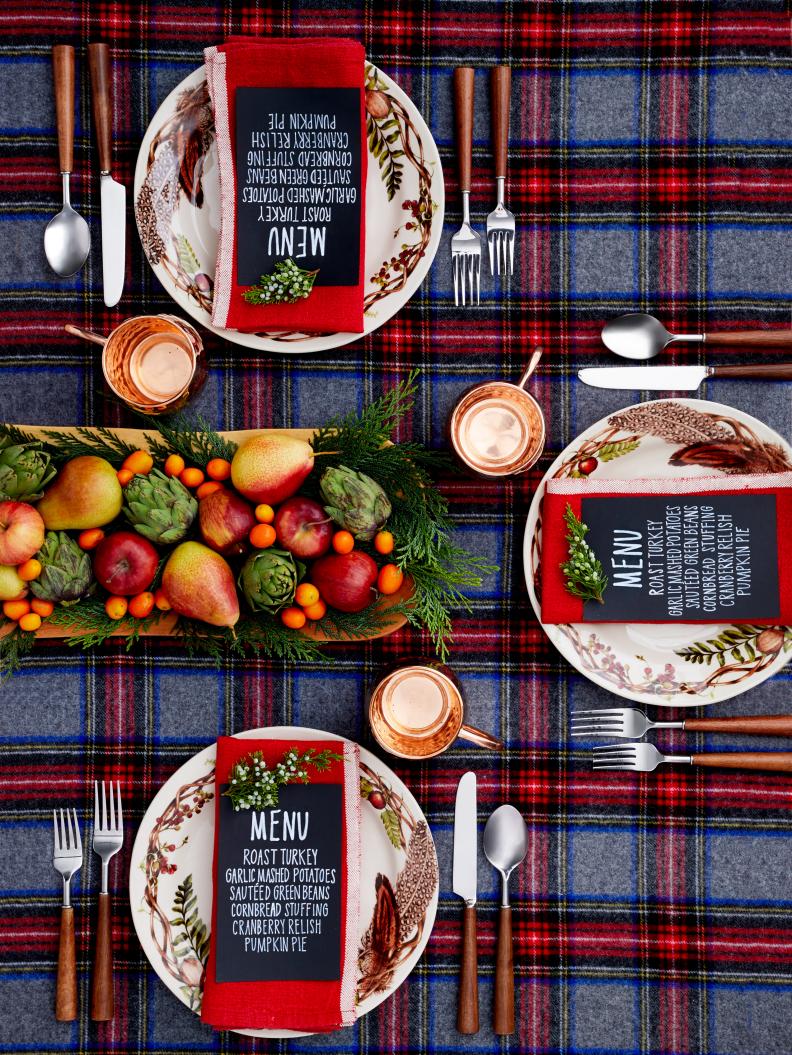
(587, 466)
(377, 800)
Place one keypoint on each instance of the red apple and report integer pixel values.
(345, 580)
(21, 532)
(225, 521)
(125, 563)
(303, 528)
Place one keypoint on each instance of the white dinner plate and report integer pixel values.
(177, 207)
(173, 853)
(663, 664)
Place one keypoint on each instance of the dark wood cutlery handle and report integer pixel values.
(66, 985)
(779, 371)
(102, 1004)
(468, 1007)
(463, 109)
(500, 102)
(757, 725)
(63, 73)
(102, 102)
(775, 761)
(503, 1017)
(775, 338)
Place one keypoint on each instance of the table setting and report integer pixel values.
(395, 505)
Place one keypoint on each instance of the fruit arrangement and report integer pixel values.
(269, 545)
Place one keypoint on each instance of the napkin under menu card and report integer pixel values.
(291, 144)
(704, 549)
(286, 904)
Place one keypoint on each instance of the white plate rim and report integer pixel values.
(561, 642)
(203, 758)
(323, 342)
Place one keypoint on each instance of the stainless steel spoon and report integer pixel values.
(505, 845)
(640, 336)
(67, 240)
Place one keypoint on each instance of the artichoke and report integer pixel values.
(25, 470)
(66, 572)
(159, 507)
(269, 579)
(354, 501)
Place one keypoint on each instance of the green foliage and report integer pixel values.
(192, 935)
(87, 624)
(254, 785)
(585, 576)
(191, 437)
(609, 451)
(14, 646)
(287, 284)
(392, 826)
(99, 442)
(737, 642)
(250, 637)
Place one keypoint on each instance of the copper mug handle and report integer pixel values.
(532, 365)
(87, 335)
(480, 738)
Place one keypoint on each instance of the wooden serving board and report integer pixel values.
(164, 626)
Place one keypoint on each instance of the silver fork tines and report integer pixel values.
(626, 722)
(108, 836)
(466, 259)
(642, 758)
(500, 234)
(67, 856)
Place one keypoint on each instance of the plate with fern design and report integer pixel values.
(679, 665)
(170, 879)
(177, 208)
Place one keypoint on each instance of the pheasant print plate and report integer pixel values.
(177, 207)
(170, 882)
(680, 665)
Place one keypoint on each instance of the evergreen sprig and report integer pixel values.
(97, 442)
(287, 283)
(15, 644)
(250, 637)
(585, 576)
(13, 434)
(87, 624)
(191, 437)
(253, 785)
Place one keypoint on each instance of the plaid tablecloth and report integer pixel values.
(651, 168)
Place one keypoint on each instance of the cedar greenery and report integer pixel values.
(88, 624)
(585, 576)
(287, 284)
(14, 646)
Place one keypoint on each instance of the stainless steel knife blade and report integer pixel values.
(113, 238)
(652, 378)
(466, 840)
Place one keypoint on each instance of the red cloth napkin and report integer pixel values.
(303, 62)
(560, 606)
(311, 1006)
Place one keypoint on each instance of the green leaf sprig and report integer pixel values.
(585, 576)
(287, 284)
(254, 786)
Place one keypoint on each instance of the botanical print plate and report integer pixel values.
(680, 665)
(177, 207)
(170, 879)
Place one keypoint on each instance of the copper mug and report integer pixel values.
(153, 363)
(497, 428)
(417, 712)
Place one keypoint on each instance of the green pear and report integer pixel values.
(200, 585)
(11, 586)
(85, 494)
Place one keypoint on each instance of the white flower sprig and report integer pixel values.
(254, 786)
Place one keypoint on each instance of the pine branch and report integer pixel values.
(357, 626)
(585, 576)
(88, 625)
(191, 437)
(265, 636)
(356, 434)
(13, 434)
(99, 442)
(14, 646)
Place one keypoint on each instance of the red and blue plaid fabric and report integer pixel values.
(651, 167)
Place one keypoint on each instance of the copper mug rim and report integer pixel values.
(526, 461)
(104, 342)
(456, 722)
